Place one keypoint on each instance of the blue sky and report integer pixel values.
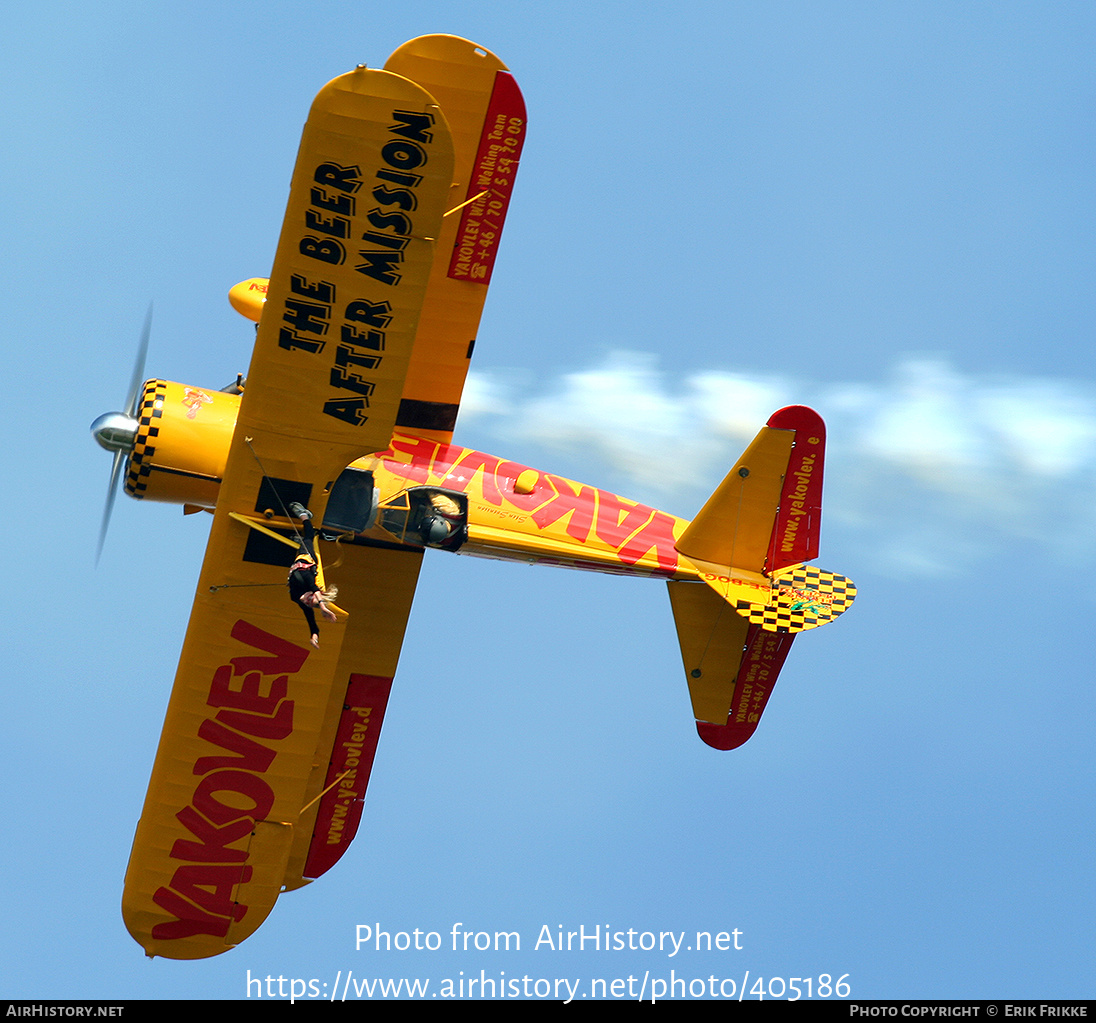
(884, 211)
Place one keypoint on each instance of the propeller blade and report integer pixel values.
(138, 376)
(115, 431)
(112, 491)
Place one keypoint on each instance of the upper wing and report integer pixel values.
(342, 309)
(486, 115)
(255, 716)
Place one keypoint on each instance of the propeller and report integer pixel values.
(117, 431)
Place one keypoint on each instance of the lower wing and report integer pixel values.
(267, 744)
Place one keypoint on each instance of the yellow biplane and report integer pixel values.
(365, 332)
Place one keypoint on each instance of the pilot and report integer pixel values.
(304, 589)
(441, 521)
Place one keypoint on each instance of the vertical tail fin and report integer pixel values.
(748, 544)
(749, 541)
(767, 513)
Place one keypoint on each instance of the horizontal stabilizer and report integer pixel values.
(712, 638)
(730, 664)
(761, 663)
(803, 597)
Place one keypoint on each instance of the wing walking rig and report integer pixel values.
(365, 332)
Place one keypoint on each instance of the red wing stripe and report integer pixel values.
(348, 772)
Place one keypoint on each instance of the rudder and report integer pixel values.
(749, 541)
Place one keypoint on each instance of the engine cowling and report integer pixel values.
(183, 434)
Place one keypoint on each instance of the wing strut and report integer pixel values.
(256, 525)
(467, 202)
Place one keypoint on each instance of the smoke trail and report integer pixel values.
(931, 468)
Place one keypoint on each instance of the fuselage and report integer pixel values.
(518, 513)
(421, 492)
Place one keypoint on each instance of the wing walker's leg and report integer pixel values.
(308, 540)
(308, 546)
